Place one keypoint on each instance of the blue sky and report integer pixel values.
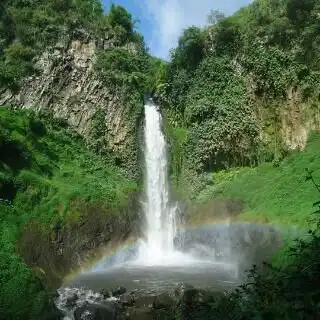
(162, 21)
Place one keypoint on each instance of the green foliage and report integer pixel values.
(190, 49)
(272, 194)
(278, 291)
(123, 68)
(121, 20)
(131, 71)
(287, 292)
(230, 83)
(19, 285)
(222, 130)
(178, 137)
(27, 28)
(157, 70)
(43, 170)
(18, 63)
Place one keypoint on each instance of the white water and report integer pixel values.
(160, 215)
(157, 249)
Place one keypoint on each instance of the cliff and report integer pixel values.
(66, 86)
(61, 206)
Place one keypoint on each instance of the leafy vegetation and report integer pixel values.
(121, 60)
(256, 79)
(44, 169)
(225, 92)
(122, 68)
(231, 84)
(290, 291)
(272, 194)
(27, 28)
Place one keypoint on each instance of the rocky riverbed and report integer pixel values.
(119, 304)
(211, 262)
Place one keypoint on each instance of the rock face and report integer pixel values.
(293, 124)
(66, 86)
(72, 246)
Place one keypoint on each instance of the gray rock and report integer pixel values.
(181, 288)
(105, 292)
(72, 301)
(190, 295)
(163, 301)
(139, 314)
(67, 86)
(53, 314)
(145, 301)
(127, 300)
(95, 312)
(119, 291)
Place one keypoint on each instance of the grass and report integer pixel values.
(44, 168)
(278, 195)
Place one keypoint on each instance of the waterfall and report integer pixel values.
(160, 215)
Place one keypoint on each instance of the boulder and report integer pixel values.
(95, 312)
(180, 290)
(52, 314)
(119, 291)
(127, 300)
(145, 301)
(163, 301)
(105, 293)
(72, 301)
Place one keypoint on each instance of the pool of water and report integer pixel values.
(155, 279)
(214, 257)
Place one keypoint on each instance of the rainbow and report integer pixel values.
(114, 250)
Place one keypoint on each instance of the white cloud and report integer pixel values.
(170, 17)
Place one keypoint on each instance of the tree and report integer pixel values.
(190, 49)
(119, 16)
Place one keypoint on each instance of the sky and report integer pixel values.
(162, 21)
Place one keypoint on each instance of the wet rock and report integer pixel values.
(72, 301)
(189, 295)
(134, 291)
(145, 301)
(180, 290)
(139, 314)
(105, 293)
(95, 312)
(163, 301)
(119, 291)
(216, 295)
(127, 300)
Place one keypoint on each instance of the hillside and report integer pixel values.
(57, 201)
(242, 91)
(241, 98)
(278, 195)
(69, 161)
(73, 62)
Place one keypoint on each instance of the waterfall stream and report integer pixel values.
(210, 256)
(160, 214)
